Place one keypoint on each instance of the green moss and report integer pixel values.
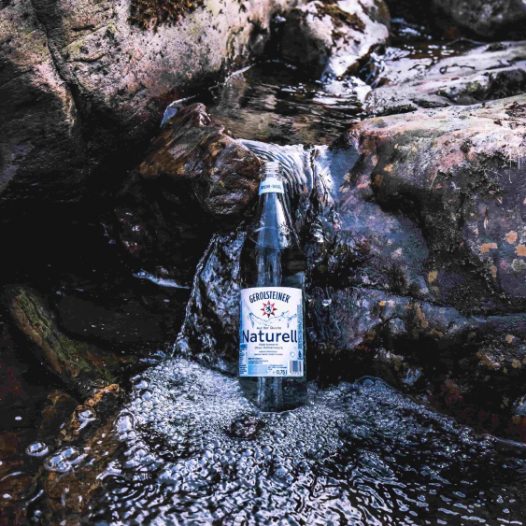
(79, 364)
(149, 14)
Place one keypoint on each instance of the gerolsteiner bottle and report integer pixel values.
(272, 367)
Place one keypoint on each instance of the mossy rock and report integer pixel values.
(80, 365)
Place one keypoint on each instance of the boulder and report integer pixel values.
(83, 84)
(332, 38)
(423, 77)
(486, 17)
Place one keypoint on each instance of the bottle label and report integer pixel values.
(271, 184)
(271, 332)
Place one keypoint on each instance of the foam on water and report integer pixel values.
(197, 452)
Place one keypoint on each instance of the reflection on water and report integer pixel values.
(269, 103)
(194, 451)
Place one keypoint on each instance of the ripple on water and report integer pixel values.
(197, 452)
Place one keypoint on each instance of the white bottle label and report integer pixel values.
(271, 332)
(271, 184)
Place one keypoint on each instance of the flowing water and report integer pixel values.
(192, 450)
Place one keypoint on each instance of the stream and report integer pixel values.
(192, 450)
(183, 446)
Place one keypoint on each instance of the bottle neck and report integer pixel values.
(271, 184)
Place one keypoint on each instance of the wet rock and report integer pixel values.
(433, 75)
(486, 17)
(195, 178)
(457, 174)
(331, 38)
(84, 84)
(58, 406)
(199, 155)
(80, 365)
(213, 338)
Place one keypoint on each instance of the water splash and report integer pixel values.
(197, 452)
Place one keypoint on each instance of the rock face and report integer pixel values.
(40, 132)
(415, 250)
(331, 38)
(486, 17)
(420, 77)
(81, 81)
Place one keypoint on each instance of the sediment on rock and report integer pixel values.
(79, 365)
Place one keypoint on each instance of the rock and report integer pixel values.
(457, 174)
(199, 156)
(412, 232)
(486, 17)
(40, 133)
(331, 38)
(213, 338)
(423, 77)
(84, 84)
(194, 164)
(80, 365)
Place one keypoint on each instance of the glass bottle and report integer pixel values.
(272, 367)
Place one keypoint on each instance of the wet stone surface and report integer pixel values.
(358, 452)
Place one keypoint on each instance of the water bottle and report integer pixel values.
(272, 366)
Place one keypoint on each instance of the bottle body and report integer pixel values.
(272, 365)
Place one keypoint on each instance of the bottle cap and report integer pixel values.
(271, 168)
(271, 181)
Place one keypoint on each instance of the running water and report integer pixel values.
(192, 450)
